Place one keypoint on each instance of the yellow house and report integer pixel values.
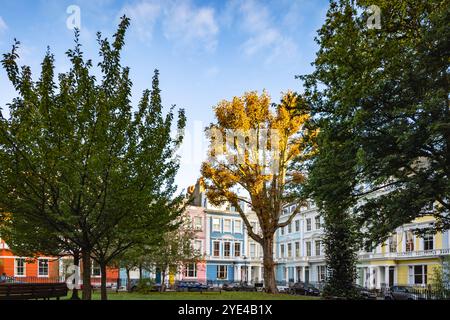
(405, 258)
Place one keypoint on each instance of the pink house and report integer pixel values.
(197, 271)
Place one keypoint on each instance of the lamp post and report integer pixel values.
(245, 268)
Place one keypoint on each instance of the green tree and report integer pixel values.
(380, 98)
(173, 250)
(77, 162)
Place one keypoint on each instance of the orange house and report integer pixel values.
(42, 268)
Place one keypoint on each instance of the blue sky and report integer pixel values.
(206, 51)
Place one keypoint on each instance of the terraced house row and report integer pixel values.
(230, 255)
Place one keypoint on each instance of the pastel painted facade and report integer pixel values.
(404, 259)
(299, 250)
(197, 271)
(229, 253)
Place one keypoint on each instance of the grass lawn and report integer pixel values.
(201, 296)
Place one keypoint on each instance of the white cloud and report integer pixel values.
(264, 36)
(191, 26)
(3, 25)
(183, 23)
(143, 17)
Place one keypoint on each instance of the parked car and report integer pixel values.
(191, 286)
(244, 286)
(403, 293)
(238, 286)
(365, 293)
(228, 286)
(302, 288)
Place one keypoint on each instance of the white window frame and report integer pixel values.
(39, 268)
(240, 249)
(308, 224)
(297, 225)
(213, 248)
(297, 249)
(188, 270)
(252, 245)
(24, 268)
(318, 245)
(225, 227)
(93, 267)
(222, 272)
(225, 243)
(200, 247)
(308, 245)
(237, 228)
(198, 223)
(216, 226)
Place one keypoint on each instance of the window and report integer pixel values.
(297, 249)
(281, 250)
(289, 228)
(95, 272)
(226, 249)
(237, 249)
(43, 267)
(216, 248)
(428, 242)
(19, 267)
(322, 272)
(289, 250)
(216, 225)
(308, 224)
(282, 231)
(318, 248)
(191, 270)
(252, 250)
(297, 225)
(418, 275)
(227, 225)
(308, 248)
(198, 246)
(237, 226)
(393, 243)
(409, 241)
(198, 223)
(317, 219)
(222, 272)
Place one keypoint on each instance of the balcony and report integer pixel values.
(405, 255)
(301, 259)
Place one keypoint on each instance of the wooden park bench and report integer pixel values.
(23, 291)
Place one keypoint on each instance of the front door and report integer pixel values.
(391, 276)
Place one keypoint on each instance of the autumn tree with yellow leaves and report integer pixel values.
(252, 147)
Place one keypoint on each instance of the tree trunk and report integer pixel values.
(140, 272)
(86, 259)
(269, 266)
(163, 281)
(103, 293)
(76, 262)
(128, 279)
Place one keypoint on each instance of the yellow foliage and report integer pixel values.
(240, 162)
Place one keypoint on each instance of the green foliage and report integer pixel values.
(79, 168)
(380, 99)
(145, 285)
